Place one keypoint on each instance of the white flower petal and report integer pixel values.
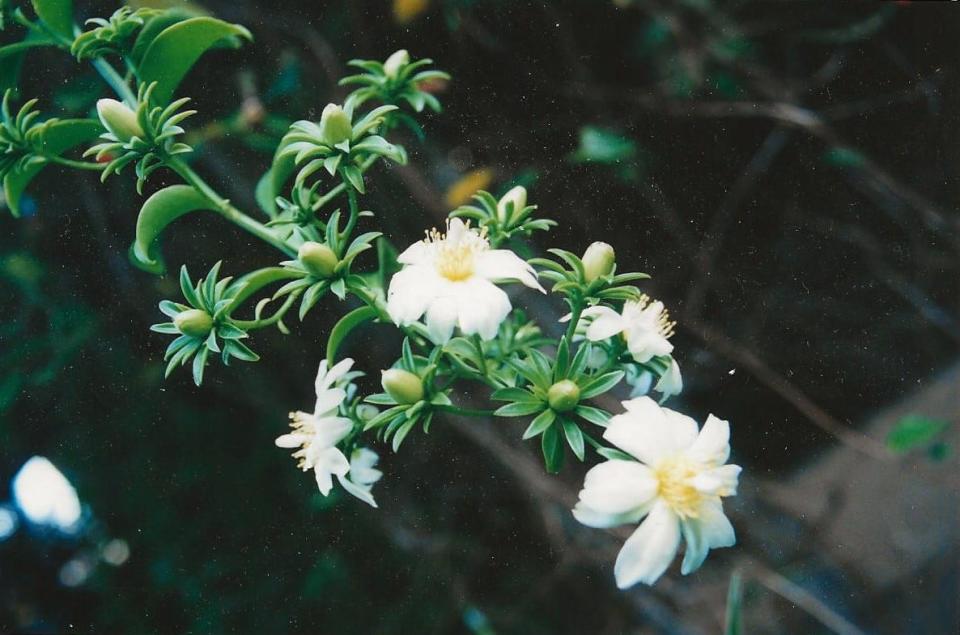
(641, 431)
(606, 323)
(329, 431)
(715, 526)
(328, 463)
(482, 306)
(292, 440)
(718, 481)
(411, 292)
(696, 546)
(616, 487)
(681, 428)
(328, 401)
(651, 548)
(419, 253)
(503, 264)
(671, 382)
(441, 318)
(712, 446)
(359, 491)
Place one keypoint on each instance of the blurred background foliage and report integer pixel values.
(785, 171)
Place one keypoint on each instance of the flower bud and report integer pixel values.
(396, 62)
(402, 385)
(598, 260)
(193, 322)
(335, 125)
(517, 196)
(119, 119)
(563, 395)
(366, 412)
(317, 258)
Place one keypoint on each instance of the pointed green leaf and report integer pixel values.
(540, 423)
(177, 48)
(343, 328)
(54, 138)
(601, 384)
(161, 209)
(552, 446)
(56, 14)
(574, 437)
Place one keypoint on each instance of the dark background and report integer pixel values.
(785, 172)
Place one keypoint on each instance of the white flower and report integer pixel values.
(317, 435)
(363, 475)
(451, 279)
(645, 326)
(641, 380)
(675, 488)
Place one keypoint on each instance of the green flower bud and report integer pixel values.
(335, 125)
(317, 258)
(563, 396)
(598, 260)
(396, 62)
(402, 385)
(193, 322)
(119, 119)
(517, 196)
(366, 412)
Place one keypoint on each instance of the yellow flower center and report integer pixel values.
(455, 256)
(675, 476)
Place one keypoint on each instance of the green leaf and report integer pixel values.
(248, 284)
(161, 209)
(154, 27)
(574, 437)
(519, 409)
(734, 621)
(346, 324)
(54, 138)
(601, 384)
(593, 415)
(513, 394)
(56, 14)
(552, 446)
(614, 454)
(173, 53)
(914, 431)
(540, 423)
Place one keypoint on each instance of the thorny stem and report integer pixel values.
(354, 208)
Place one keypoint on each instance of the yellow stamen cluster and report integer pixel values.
(455, 258)
(675, 476)
(302, 423)
(664, 324)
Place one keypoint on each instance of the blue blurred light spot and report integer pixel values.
(8, 522)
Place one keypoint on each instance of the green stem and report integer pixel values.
(354, 209)
(248, 325)
(80, 165)
(577, 311)
(117, 83)
(226, 209)
(468, 412)
(338, 189)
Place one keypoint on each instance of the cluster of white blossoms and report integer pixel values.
(674, 485)
(316, 437)
(450, 278)
(667, 475)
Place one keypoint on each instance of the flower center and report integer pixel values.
(657, 315)
(675, 476)
(456, 251)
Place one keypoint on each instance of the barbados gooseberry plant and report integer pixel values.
(461, 334)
